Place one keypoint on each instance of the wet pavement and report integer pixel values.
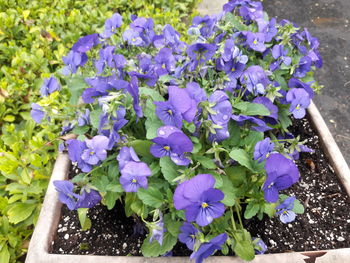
(328, 20)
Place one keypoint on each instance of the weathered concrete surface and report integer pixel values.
(328, 20)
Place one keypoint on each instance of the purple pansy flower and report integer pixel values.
(299, 100)
(112, 24)
(37, 113)
(50, 85)
(132, 37)
(188, 234)
(134, 175)
(260, 246)
(165, 61)
(199, 53)
(304, 67)
(158, 231)
(133, 89)
(280, 53)
(302, 148)
(84, 118)
(296, 83)
(172, 142)
(255, 79)
(199, 199)
(263, 149)
(179, 106)
(281, 174)
(256, 41)
(251, 10)
(107, 57)
(75, 150)
(285, 210)
(84, 44)
(126, 154)
(273, 117)
(257, 123)
(73, 61)
(208, 248)
(96, 150)
(268, 28)
(206, 24)
(87, 199)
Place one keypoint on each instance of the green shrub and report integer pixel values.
(34, 35)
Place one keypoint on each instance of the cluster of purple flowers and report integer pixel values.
(192, 102)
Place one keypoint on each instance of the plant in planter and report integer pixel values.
(190, 137)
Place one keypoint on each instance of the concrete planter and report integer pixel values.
(50, 214)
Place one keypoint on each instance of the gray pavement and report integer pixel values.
(328, 20)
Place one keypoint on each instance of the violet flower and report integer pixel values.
(208, 248)
(84, 118)
(263, 149)
(96, 150)
(73, 61)
(84, 44)
(37, 113)
(304, 67)
(199, 53)
(273, 117)
(188, 235)
(132, 37)
(296, 83)
(251, 10)
(87, 199)
(112, 24)
(172, 142)
(256, 41)
(134, 175)
(299, 100)
(50, 85)
(255, 79)
(199, 199)
(257, 123)
(285, 210)
(126, 154)
(280, 53)
(268, 28)
(133, 89)
(281, 174)
(165, 62)
(260, 246)
(158, 230)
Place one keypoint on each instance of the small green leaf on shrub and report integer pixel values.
(169, 169)
(20, 212)
(242, 157)
(251, 210)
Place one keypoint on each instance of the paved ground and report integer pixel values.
(328, 20)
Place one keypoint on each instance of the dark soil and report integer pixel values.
(324, 225)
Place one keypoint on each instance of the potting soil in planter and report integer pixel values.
(324, 225)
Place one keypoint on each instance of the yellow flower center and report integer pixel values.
(92, 153)
(233, 69)
(170, 112)
(134, 180)
(255, 42)
(166, 148)
(133, 39)
(204, 205)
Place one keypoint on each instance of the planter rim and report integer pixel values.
(46, 226)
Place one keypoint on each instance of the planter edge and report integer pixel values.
(45, 229)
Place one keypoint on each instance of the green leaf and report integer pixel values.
(172, 226)
(80, 130)
(4, 254)
(95, 117)
(284, 119)
(244, 249)
(270, 209)
(251, 210)
(9, 118)
(298, 207)
(110, 198)
(251, 139)
(235, 22)
(151, 93)
(20, 212)
(229, 192)
(242, 157)
(169, 169)
(85, 221)
(154, 249)
(235, 135)
(76, 86)
(249, 108)
(205, 161)
(142, 147)
(151, 197)
(152, 122)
